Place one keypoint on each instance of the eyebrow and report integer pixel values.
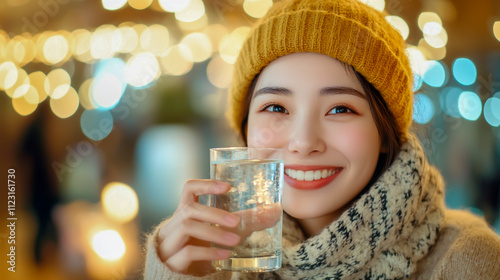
(323, 92)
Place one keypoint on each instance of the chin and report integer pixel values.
(299, 213)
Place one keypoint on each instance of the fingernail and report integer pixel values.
(232, 219)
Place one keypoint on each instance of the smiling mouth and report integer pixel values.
(311, 175)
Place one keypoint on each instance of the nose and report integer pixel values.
(306, 138)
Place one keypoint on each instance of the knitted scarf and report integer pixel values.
(381, 236)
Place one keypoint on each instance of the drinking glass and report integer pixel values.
(256, 177)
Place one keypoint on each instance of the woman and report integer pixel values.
(329, 83)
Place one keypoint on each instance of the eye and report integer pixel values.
(340, 110)
(275, 109)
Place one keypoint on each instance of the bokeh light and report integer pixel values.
(435, 73)
(377, 4)
(177, 61)
(120, 202)
(437, 41)
(109, 245)
(140, 4)
(130, 39)
(200, 46)
(198, 24)
(464, 71)
(86, 95)
(108, 85)
(173, 5)
(492, 111)
(448, 101)
(80, 45)
(57, 83)
(37, 80)
(96, 124)
(55, 49)
(65, 106)
(27, 103)
(8, 75)
(18, 88)
(193, 11)
(155, 39)
(431, 52)
(496, 30)
(426, 17)
(423, 109)
(219, 72)
(142, 70)
(230, 45)
(400, 25)
(101, 43)
(257, 8)
(113, 5)
(469, 105)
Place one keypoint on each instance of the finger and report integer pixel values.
(181, 261)
(258, 218)
(194, 188)
(194, 229)
(202, 213)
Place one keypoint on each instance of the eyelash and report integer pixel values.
(341, 105)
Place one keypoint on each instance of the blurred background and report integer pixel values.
(108, 107)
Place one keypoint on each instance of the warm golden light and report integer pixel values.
(8, 75)
(113, 4)
(431, 53)
(200, 46)
(426, 17)
(177, 61)
(155, 39)
(19, 87)
(109, 245)
(400, 25)
(139, 29)
(140, 4)
(101, 44)
(230, 45)
(57, 83)
(80, 45)
(173, 5)
(15, 51)
(130, 40)
(27, 103)
(417, 60)
(437, 41)
(215, 32)
(496, 30)
(120, 202)
(55, 49)
(85, 93)
(376, 4)
(257, 8)
(193, 11)
(37, 80)
(194, 25)
(65, 106)
(29, 50)
(142, 69)
(219, 72)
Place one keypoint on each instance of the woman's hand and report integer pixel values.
(184, 242)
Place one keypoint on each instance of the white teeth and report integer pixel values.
(310, 175)
(300, 175)
(317, 175)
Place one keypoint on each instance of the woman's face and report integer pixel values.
(309, 106)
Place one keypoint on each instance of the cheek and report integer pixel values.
(357, 142)
(266, 132)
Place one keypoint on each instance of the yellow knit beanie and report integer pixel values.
(347, 30)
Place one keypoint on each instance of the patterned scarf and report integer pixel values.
(381, 236)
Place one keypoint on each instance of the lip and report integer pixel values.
(310, 185)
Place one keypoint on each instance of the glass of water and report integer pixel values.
(256, 176)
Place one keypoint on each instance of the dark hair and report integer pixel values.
(390, 136)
